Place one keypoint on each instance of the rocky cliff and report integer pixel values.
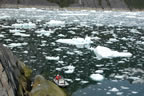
(101, 4)
(14, 75)
(15, 78)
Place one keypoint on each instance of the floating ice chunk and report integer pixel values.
(44, 32)
(134, 92)
(99, 71)
(29, 25)
(79, 42)
(4, 17)
(113, 40)
(1, 35)
(17, 44)
(134, 78)
(96, 77)
(52, 58)
(123, 87)
(54, 23)
(84, 82)
(114, 90)
(104, 52)
(69, 69)
(21, 34)
(58, 69)
(16, 30)
(119, 76)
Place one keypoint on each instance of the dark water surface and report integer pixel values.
(120, 31)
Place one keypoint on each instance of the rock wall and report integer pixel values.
(14, 75)
(100, 4)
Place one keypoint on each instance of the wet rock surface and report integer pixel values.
(43, 87)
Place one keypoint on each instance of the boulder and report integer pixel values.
(43, 87)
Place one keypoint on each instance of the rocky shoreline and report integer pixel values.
(15, 78)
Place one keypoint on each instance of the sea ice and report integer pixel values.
(96, 77)
(114, 90)
(16, 30)
(21, 34)
(44, 32)
(99, 71)
(52, 58)
(69, 69)
(1, 35)
(104, 52)
(29, 25)
(55, 23)
(79, 42)
(17, 44)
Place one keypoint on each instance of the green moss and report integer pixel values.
(24, 79)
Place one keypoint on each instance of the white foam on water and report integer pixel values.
(104, 52)
(29, 25)
(78, 42)
(97, 77)
(52, 58)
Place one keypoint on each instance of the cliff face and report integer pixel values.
(102, 4)
(13, 74)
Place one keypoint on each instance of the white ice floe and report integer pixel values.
(114, 90)
(79, 42)
(104, 52)
(55, 23)
(21, 34)
(44, 32)
(99, 71)
(84, 82)
(16, 30)
(29, 25)
(69, 69)
(52, 58)
(97, 77)
(17, 44)
(1, 35)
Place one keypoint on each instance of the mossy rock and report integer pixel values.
(24, 79)
(43, 87)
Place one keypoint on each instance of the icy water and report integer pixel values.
(32, 34)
